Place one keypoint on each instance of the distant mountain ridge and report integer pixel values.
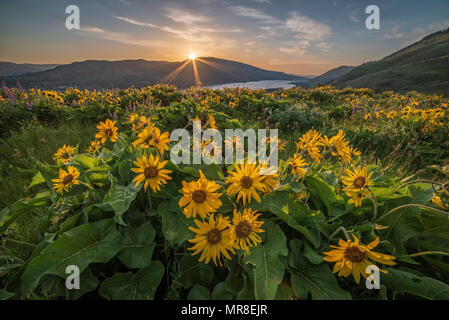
(421, 66)
(15, 69)
(327, 77)
(102, 74)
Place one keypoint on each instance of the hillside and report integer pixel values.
(123, 74)
(422, 66)
(327, 77)
(15, 69)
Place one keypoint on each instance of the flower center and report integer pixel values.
(67, 179)
(148, 139)
(199, 196)
(109, 132)
(66, 156)
(213, 236)
(150, 172)
(246, 182)
(354, 254)
(359, 182)
(243, 229)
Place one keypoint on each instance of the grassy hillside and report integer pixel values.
(14, 69)
(327, 77)
(422, 66)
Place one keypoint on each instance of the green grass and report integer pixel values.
(34, 142)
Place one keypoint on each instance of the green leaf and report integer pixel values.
(317, 280)
(5, 295)
(37, 179)
(405, 223)
(326, 193)
(175, 225)
(88, 283)
(267, 269)
(95, 242)
(130, 286)
(405, 282)
(221, 293)
(8, 216)
(138, 246)
(247, 292)
(296, 215)
(194, 272)
(198, 292)
(86, 161)
(119, 198)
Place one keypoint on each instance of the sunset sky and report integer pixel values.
(295, 36)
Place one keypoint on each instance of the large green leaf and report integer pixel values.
(85, 161)
(326, 193)
(38, 178)
(405, 282)
(175, 225)
(198, 292)
(194, 272)
(138, 246)
(5, 295)
(317, 280)
(130, 286)
(293, 213)
(95, 242)
(267, 269)
(405, 223)
(8, 216)
(119, 198)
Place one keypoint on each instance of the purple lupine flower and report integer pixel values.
(19, 87)
(29, 106)
(11, 97)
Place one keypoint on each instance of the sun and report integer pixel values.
(192, 56)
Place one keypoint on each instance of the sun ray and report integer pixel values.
(172, 75)
(196, 74)
(214, 65)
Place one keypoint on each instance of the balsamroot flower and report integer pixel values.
(67, 179)
(64, 154)
(200, 197)
(213, 239)
(351, 257)
(151, 172)
(107, 130)
(246, 228)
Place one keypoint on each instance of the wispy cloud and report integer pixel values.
(306, 28)
(184, 16)
(355, 16)
(191, 33)
(118, 37)
(137, 23)
(253, 13)
(296, 48)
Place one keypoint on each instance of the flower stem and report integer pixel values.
(422, 181)
(341, 228)
(373, 199)
(413, 205)
(424, 253)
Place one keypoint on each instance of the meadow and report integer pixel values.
(86, 180)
